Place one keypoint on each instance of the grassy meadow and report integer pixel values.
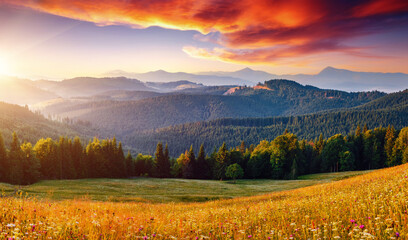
(373, 205)
(165, 190)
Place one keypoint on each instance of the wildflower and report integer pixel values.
(361, 226)
(249, 236)
(397, 234)
(352, 221)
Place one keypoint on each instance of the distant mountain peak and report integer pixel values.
(247, 69)
(160, 71)
(331, 70)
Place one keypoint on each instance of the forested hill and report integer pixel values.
(299, 99)
(31, 126)
(274, 98)
(392, 100)
(391, 109)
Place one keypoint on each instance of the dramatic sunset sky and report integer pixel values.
(60, 38)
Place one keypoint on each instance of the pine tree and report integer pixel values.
(4, 164)
(15, 159)
(242, 147)
(358, 131)
(130, 165)
(30, 164)
(202, 171)
(159, 158)
(401, 144)
(365, 129)
(294, 169)
(120, 162)
(46, 151)
(190, 164)
(65, 164)
(166, 162)
(389, 145)
(221, 162)
(78, 158)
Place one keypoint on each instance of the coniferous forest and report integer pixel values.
(285, 157)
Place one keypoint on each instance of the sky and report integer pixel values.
(59, 39)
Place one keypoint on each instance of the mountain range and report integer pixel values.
(23, 91)
(328, 78)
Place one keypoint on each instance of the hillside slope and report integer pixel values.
(391, 109)
(31, 127)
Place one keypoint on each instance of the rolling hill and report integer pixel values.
(31, 126)
(274, 98)
(391, 109)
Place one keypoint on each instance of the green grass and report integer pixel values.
(166, 190)
(336, 176)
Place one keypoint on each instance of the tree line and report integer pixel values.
(285, 157)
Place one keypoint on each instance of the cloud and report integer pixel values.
(247, 31)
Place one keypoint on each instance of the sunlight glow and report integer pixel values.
(3, 66)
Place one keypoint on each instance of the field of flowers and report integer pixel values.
(369, 206)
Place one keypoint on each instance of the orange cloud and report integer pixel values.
(261, 31)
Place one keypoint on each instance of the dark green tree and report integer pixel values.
(4, 164)
(401, 144)
(346, 161)
(161, 162)
(390, 137)
(77, 153)
(15, 158)
(285, 150)
(221, 162)
(189, 165)
(46, 151)
(166, 163)
(332, 152)
(120, 161)
(202, 170)
(130, 165)
(234, 171)
(30, 164)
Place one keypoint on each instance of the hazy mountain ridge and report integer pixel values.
(331, 78)
(86, 86)
(21, 91)
(163, 76)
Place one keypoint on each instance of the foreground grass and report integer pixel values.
(165, 190)
(369, 206)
